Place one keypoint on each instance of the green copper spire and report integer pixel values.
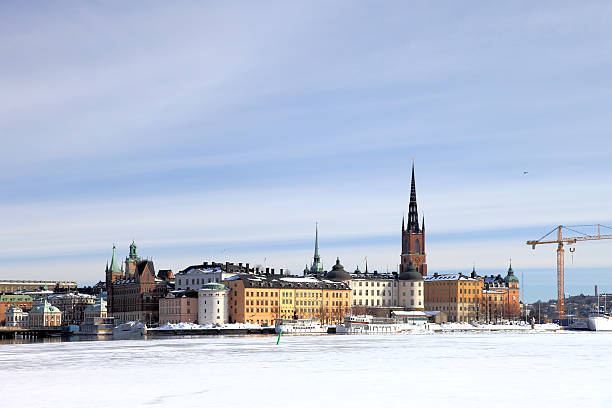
(114, 267)
(316, 265)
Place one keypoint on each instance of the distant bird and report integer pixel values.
(525, 172)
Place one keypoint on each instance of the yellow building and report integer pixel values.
(262, 299)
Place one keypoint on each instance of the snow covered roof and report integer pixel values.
(448, 277)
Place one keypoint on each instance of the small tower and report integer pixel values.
(317, 266)
(413, 236)
(131, 260)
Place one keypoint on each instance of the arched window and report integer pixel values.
(417, 246)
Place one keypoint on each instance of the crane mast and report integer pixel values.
(560, 241)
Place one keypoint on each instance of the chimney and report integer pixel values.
(205, 263)
(267, 271)
(240, 264)
(281, 271)
(257, 269)
(247, 268)
(272, 271)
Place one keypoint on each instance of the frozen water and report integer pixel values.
(441, 370)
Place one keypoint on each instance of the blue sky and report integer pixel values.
(224, 131)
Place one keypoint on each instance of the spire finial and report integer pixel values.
(366, 260)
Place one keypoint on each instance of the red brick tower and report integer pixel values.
(413, 237)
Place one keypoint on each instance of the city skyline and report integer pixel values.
(221, 133)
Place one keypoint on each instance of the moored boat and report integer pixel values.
(129, 330)
(300, 326)
(600, 322)
(366, 324)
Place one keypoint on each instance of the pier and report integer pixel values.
(28, 332)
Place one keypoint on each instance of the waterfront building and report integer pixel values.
(381, 290)
(15, 316)
(72, 305)
(44, 314)
(468, 298)
(262, 299)
(133, 292)
(413, 236)
(194, 276)
(500, 298)
(12, 286)
(23, 302)
(458, 295)
(179, 306)
(213, 304)
(138, 298)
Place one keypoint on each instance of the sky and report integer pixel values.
(224, 130)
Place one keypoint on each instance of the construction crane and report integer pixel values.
(560, 241)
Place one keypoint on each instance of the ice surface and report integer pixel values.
(533, 369)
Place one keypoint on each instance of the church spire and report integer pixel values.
(114, 266)
(413, 215)
(316, 264)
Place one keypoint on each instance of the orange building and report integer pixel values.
(262, 299)
(24, 302)
(455, 294)
(473, 298)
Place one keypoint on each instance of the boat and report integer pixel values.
(600, 321)
(366, 324)
(97, 326)
(300, 326)
(130, 330)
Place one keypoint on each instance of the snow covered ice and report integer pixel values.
(560, 369)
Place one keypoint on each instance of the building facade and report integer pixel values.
(138, 298)
(44, 314)
(213, 304)
(457, 295)
(72, 305)
(16, 317)
(466, 298)
(179, 307)
(11, 286)
(262, 299)
(23, 302)
(194, 276)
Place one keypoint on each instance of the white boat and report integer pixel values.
(300, 326)
(129, 330)
(600, 322)
(366, 324)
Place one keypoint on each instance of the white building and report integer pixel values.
(195, 276)
(383, 290)
(213, 304)
(44, 314)
(17, 317)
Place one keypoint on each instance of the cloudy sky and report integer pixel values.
(225, 131)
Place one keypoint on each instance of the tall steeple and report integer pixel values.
(114, 267)
(413, 215)
(316, 264)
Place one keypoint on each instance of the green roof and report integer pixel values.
(16, 298)
(114, 267)
(213, 286)
(44, 307)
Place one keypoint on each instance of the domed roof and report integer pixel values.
(411, 274)
(511, 277)
(338, 274)
(213, 286)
